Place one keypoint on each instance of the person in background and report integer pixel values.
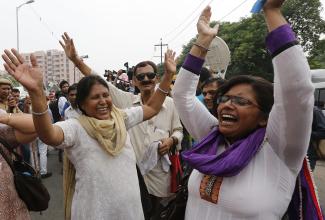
(5, 89)
(204, 75)
(72, 111)
(317, 134)
(209, 91)
(62, 100)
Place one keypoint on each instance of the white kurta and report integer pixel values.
(107, 187)
(263, 189)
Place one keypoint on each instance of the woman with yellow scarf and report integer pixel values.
(105, 183)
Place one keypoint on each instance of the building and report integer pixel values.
(56, 67)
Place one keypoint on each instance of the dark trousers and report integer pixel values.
(155, 203)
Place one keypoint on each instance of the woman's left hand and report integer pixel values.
(170, 62)
(206, 33)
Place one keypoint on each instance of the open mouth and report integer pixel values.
(102, 109)
(228, 119)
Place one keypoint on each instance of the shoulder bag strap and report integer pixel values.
(6, 145)
(4, 155)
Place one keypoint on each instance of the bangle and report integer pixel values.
(163, 91)
(175, 140)
(9, 116)
(40, 113)
(202, 47)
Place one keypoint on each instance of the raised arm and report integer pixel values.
(71, 53)
(153, 106)
(194, 115)
(32, 79)
(289, 124)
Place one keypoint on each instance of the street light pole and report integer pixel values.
(17, 20)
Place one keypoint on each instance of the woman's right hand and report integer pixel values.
(273, 4)
(30, 76)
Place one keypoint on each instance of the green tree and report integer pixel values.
(317, 58)
(304, 16)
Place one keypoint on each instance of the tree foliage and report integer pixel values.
(246, 39)
(317, 58)
(305, 19)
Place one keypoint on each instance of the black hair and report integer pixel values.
(62, 83)
(210, 80)
(84, 88)
(72, 87)
(15, 90)
(143, 64)
(262, 88)
(58, 94)
(204, 74)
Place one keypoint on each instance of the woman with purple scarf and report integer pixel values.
(250, 161)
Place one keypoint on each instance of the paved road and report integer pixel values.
(54, 185)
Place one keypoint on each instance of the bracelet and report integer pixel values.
(174, 140)
(202, 47)
(163, 91)
(9, 116)
(40, 113)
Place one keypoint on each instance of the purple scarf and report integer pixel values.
(203, 157)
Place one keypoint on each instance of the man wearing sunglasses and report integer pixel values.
(164, 127)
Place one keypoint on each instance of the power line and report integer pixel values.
(191, 21)
(45, 25)
(229, 13)
(233, 10)
(184, 20)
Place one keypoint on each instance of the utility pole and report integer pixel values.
(161, 45)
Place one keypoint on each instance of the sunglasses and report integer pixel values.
(142, 76)
(211, 92)
(236, 100)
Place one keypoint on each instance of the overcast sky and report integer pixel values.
(111, 32)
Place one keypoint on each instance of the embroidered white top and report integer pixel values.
(263, 189)
(107, 187)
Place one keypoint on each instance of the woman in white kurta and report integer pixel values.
(106, 184)
(221, 186)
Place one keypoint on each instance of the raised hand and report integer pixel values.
(273, 4)
(69, 47)
(30, 76)
(203, 27)
(170, 62)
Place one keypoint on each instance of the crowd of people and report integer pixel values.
(244, 149)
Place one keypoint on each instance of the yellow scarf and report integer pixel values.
(111, 136)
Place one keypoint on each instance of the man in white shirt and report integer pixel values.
(72, 111)
(64, 86)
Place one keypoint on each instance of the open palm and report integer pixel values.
(30, 76)
(203, 26)
(170, 62)
(68, 47)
